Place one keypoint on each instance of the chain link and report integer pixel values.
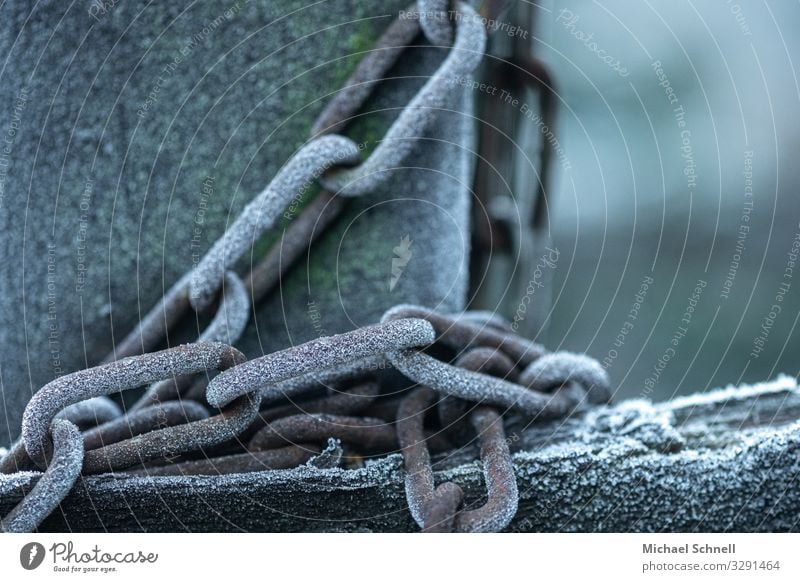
(434, 16)
(413, 121)
(58, 478)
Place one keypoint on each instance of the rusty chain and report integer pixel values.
(292, 434)
(270, 414)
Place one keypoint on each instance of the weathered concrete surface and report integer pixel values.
(723, 461)
(133, 133)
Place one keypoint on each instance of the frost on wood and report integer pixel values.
(726, 460)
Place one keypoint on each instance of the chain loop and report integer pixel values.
(474, 386)
(453, 412)
(404, 134)
(419, 482)
(91, 412)
(115, 377)
(54, 484)
(559, 368)
(198, 287)
(434, 18)
(498, 471)
(459, 333)
(265, 373)
(263, 211)
(227, 326)
(172, 441)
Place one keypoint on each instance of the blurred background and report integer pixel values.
(674, 200)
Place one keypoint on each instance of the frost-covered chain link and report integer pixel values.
(323, 158)
(62, 471)
(549, 385)
(115, 377)
(434, 18)
(436, 509)
(261, 214)
(266, 373)
(318, 160)
(227, 326)
(405, 133)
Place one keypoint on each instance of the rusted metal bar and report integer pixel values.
(369, 72)
(345, 402)
(309, 224)
(419, 483)
(142, 421)
(498, 470)
(442, 509)
(172, 441)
